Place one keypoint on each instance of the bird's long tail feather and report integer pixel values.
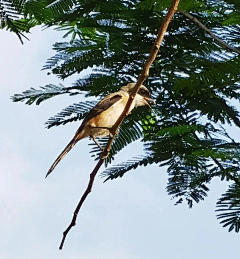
(70, 145)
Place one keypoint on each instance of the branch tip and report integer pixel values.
(202, 26)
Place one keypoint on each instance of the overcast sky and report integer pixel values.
(128, 218)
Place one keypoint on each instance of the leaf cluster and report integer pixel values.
(193, 80)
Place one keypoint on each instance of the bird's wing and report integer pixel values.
(103, 105)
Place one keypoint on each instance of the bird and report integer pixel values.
(100, 119)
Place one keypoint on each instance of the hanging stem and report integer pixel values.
(141, 79)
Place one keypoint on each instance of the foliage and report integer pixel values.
(193, 80)
(229, 208)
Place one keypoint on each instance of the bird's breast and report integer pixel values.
(107, 118)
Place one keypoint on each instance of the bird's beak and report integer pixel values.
(148, 101)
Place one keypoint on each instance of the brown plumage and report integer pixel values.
(104, 115)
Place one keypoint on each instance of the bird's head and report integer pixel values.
(143, 96)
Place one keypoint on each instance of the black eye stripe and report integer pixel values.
(144, 92)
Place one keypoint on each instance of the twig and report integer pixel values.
(84, 196)
(194, 19)
(141, 78)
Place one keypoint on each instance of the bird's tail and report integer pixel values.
(70, 145)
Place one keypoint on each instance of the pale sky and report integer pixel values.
(128, 218)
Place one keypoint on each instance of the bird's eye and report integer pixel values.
(143, 92)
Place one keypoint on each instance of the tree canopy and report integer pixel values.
(194, 80)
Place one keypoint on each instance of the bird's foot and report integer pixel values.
(104, 155)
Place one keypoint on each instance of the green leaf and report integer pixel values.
(45, 92)
(71, 113)
(228, 208)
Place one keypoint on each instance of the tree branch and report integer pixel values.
(145, 72)
(194, 19)
(141, 79)
(84, 196)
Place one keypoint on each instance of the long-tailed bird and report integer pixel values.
(99, 121)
